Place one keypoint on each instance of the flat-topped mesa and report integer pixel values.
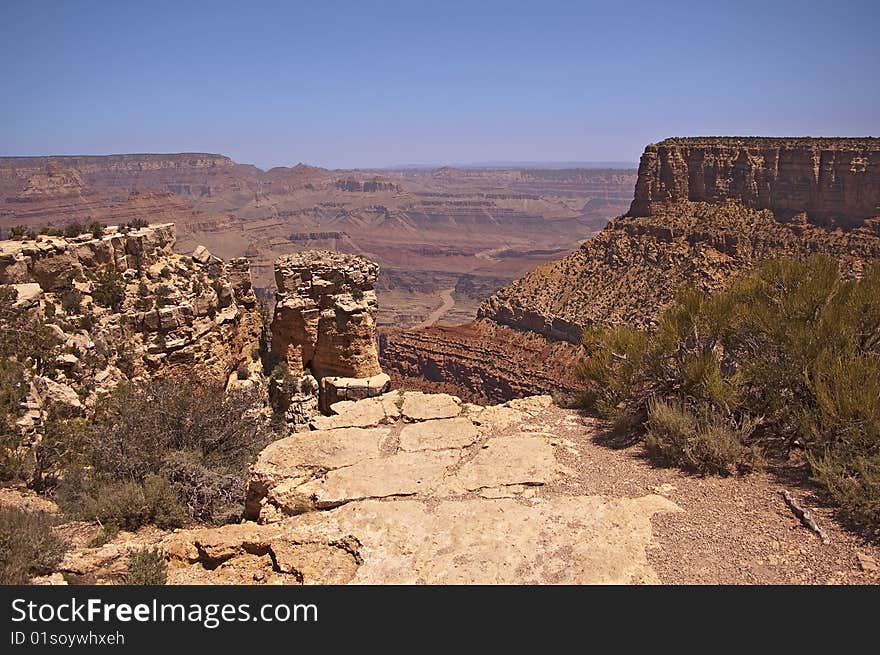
(835, 181)
(325, 322)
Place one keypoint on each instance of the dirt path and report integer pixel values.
(447, 304)
(731, 530)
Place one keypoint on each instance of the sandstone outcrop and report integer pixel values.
(835, 181)
(324, 323)
(124, 305)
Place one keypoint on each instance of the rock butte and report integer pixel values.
(706, 210)
(835, 181)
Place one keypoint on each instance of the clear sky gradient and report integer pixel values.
(358, 84)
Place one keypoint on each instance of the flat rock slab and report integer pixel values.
(441, 434)
(418, 406)
(403, 474)
(563, 540)
(360, 414)
(521, 459)
(328, 449)
(485, 451)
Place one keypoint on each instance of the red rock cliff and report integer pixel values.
(834, 180)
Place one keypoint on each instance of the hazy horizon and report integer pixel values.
(345, 85)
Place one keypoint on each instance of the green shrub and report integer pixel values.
(18, 232)
(28, 547)
(137, 223)
(793, 344)
(96, 229)
(701, 442)
(109, 290)
(13, 391)
(71, 300)
(131, 505)
(163, 293)
(72, 230)
(194, 438)
(281, 371)
(146, 567)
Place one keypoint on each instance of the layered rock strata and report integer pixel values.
(483, 362)
(324, 323)
(123, 306)
(834, 180)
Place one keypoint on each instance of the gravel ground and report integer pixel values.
(733, 530)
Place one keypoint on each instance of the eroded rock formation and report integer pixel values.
(759, 199)
(123, 305)
(325, 323)
(631, 270)
(835, 181)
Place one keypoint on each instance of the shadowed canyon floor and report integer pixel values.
(415, 488)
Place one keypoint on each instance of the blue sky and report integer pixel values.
(347, 84)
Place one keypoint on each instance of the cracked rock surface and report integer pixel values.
(516, 493)
(413, 488)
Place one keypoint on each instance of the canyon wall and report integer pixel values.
(194, 174)
(836, 181)
(122, 306)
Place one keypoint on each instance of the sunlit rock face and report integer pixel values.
(325, 322)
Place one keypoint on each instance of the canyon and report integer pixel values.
(438, 454)
(430, 229)
(706, 210)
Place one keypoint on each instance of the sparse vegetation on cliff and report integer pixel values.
(165, 452)
(786, 357)
(146, 567)
(28, 547)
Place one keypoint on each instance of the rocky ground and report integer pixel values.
(416, 488)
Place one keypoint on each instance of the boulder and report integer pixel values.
(48, 392)
(335, 389)
(201, 254)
